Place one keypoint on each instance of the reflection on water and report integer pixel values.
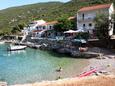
(16, 52)
(26, 66)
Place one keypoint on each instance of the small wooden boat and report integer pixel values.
(16, 47)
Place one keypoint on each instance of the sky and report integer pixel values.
(11, 3)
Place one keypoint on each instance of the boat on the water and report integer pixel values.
(16, 47)
(2, 42)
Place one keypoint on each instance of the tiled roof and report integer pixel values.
(89, 8)
(49, 23)
(53, 22)
(72, 17)
(36, 30)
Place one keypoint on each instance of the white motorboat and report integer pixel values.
(16, 47)
(2, 42)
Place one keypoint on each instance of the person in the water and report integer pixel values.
(59, 70)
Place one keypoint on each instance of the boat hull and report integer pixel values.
(15, 49)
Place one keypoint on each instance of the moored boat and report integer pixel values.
(16, 47)
(2, 42)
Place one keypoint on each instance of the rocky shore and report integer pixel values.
(66, 46)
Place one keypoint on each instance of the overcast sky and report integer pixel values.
(11, 3)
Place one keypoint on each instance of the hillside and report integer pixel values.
(49, 11)
(23, 14)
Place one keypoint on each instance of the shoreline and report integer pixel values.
(72, 71)
(103, 80)
(109, 59)
(106, 63)
(91, 63)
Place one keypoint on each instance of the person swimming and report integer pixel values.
(59, 70)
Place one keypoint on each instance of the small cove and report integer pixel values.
(30, 65)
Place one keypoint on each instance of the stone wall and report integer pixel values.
(102, 44)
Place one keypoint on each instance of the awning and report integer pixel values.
(70, 31)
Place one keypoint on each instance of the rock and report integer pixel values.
(3, 84)
(75, 53)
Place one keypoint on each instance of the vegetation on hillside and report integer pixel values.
(64, 24)
(14, 16)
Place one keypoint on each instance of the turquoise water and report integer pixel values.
(27, 66)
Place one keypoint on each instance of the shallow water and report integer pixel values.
(27, 66)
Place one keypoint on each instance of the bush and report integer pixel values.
(83, 35)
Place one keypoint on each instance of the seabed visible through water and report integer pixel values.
(27, 66)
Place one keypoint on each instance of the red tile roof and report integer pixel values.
(53, 22)
(49, 23)
(89, 8)
(36, 30)
(72, 17)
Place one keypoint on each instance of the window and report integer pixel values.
(40, 27)
(83, 25)
(44, 27)
(50, 27)
(90, 24)
(83, 16)
(37, 28)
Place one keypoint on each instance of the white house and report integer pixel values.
(86, 15)
(41, 29)
(37, 28)
(33, 26)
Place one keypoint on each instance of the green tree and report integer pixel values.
(16, 29)
(64, 24)
(21, 26)
(102, 24)
(83, 35)
(100, 1)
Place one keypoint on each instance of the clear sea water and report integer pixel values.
(30, 65)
